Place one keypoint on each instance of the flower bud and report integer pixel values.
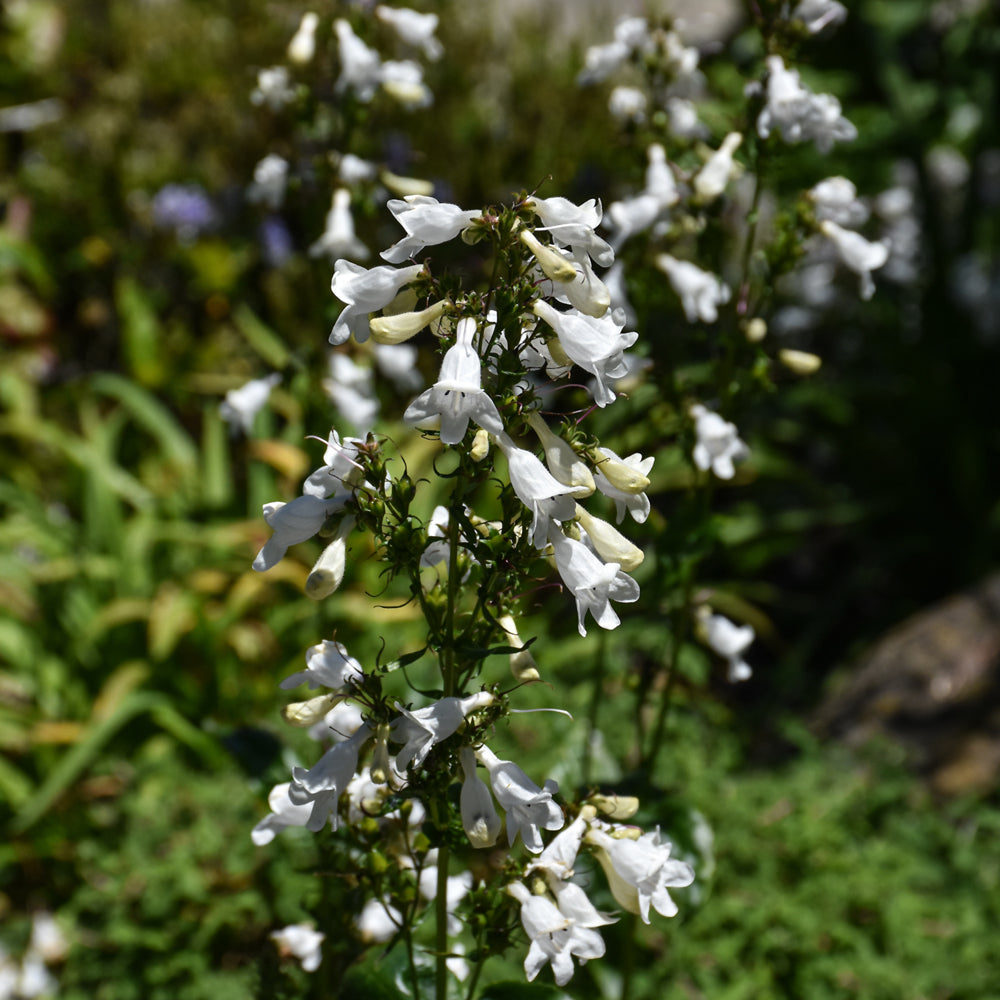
(554, 266)
(404, 186)
(562, 460)
(399, 328)
(611, 545)
(800, 362)
(302, 47)
(303, 714)
(616, 807)
(328, 573)
(380, 767)
(522, 663)
(480, 445)
(622, 476)
(756, 330)
(480, 819)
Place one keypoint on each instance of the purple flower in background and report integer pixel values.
(275, 241)
(185, 209)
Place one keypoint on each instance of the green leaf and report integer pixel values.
(261, 337)
(512, 990)
(141, 333)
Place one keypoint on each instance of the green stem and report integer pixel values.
(441, 925)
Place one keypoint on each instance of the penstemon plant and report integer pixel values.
(507, 349)
(453, 846)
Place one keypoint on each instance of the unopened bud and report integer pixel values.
(554, 266)
(303, 714)
(404, 186)
(755, 330)
(480, 445)
(611, 545)
(399, 328)
(622, 476)
(328, 573)
(522, 663)
(800, 362)
(563, 462)
(617, 807)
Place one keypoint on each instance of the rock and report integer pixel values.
(933, 686)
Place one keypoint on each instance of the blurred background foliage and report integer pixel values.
(139, 654)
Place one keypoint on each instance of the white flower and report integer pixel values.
(558, 858)
(593, 583)
(352, 169)
(284, 813)
(730, 641)
(273, 88)
(660, 181)
(377, 922)
(241, 405)
(817, 14)
(339, 469)
(413, 28)
(328, 665)
(627, 104)
(339, 723)
(302, 47)
(269, 179)
(427, 222)
(457, 397)
(351, 389)
(527, 806)
(718, 444)
(684, 123)
(480, 819)
(338, 238)
(601, 61)
(701, 292)
(636, 471)
(360, 66)
(555, 936)
(799, 114)
(321, 785)
(712, 179)
(420, 730)
(858, 254)
(836, 199)
(47, 938)
(365, 291)
(640, 872)
(457, 887)
(398, 362)
(573, 225)
(292, 523)
(403, 80)
(522, 663)
(537, 489)
(640, 212)
(303, 941)
(597, 345)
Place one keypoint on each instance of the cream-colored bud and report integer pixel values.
(380, 767)
(611, 545)
(302, 714)
(800, 362)
(554, 266)
(622, 476)
(559, 356)
(405, 91)
(627, 833)
(616, 807)
(563, 462)
(399, 328)
(756, 330)
(406, 185)
(302, 47)
(328, 573)
(480, 445)
(522, 663)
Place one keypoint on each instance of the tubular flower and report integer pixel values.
(860, 255)
(399, 327)
(480, 819)
(241, 405)
(421, 729)
(537, 489)
(555, 936)
(718, 445)
(322, 784)
(712, 179)
(640, 872)
(284, 813)
(328, 665)
(427, 222)
(302, 47)
(609, 543)
(563, 462)
(527, 806)
(292, 523)
(573, 226)
(594, 584)
(364, 291)
(327, 574)
(457, 397)
(303, 941)
(413, 28)
(338, 238)
(360, 66)
(730, 641)
(701, 292)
